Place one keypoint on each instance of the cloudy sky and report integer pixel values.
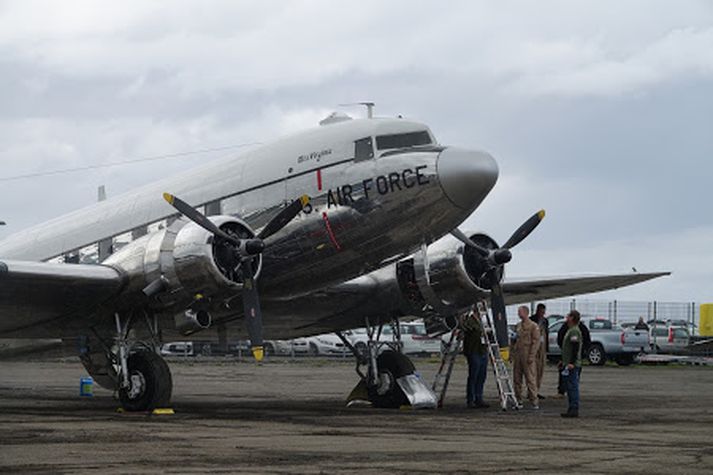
(598, 111)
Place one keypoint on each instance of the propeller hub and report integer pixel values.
(252, 247)
(502, 256)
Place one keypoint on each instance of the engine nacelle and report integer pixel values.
(186, 262)
(447, 276)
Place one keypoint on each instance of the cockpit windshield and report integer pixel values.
(409, 139)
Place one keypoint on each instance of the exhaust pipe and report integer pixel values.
(192, 321)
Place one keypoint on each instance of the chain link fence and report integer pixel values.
(620, 311)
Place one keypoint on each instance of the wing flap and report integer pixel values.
(33, 295)
(527, 290)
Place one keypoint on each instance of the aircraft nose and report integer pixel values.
(466, 176)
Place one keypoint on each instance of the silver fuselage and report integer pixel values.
(364, 213)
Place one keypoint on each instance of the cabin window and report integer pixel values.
(363, 149)
(213, 208)
(410, 139)
(600, 324)
(89, 254)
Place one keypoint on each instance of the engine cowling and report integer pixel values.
(446, 277)
(206, 265)
(187, 261)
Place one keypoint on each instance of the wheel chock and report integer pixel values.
(359, 393)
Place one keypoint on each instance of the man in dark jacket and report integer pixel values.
(476, 354)
(586, 340)
(572, 362)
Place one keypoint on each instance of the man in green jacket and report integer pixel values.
(572, 362)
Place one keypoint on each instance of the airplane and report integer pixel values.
(353, 223)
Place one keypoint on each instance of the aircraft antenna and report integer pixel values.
(369, 107)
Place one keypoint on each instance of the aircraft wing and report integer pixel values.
(34, 295)
(527, 290)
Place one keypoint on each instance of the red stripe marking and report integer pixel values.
(319, 179)
(330, 232)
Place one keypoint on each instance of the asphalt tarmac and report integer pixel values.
(289, 417)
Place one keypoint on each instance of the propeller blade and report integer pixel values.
(460, 235)
(497, 305)
(525, 229)
(197, 217)
(283, 217)
(253, 313)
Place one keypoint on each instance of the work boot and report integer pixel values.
(541, 397)
(570, 414)
(558, 396)
(481, 405)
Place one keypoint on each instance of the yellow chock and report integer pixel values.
(505, 354)
(120, 410)
(359, 393)
(163, 411)
(258, 353)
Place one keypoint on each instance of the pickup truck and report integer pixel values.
(609, 341)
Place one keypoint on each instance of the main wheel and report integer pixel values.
(596, 355)
(151, 383)
(391, 366)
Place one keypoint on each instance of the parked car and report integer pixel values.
(609, 341)
(669, 339)
(204, 348)
(178, 348)
(414, 338)
(327, 344)
(298, 346)
(554, 318)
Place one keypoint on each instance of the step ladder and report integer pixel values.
(500, 369)
(443, 376)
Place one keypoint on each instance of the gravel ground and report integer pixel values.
(289, 417)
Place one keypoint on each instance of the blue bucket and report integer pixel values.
(86, 387)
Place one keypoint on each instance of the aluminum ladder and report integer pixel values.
(443, 376)
(500, 369)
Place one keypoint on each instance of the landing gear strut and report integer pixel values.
(389, 380)
(144, 379)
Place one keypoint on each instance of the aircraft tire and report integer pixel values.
(154, 377)
(397, 365)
